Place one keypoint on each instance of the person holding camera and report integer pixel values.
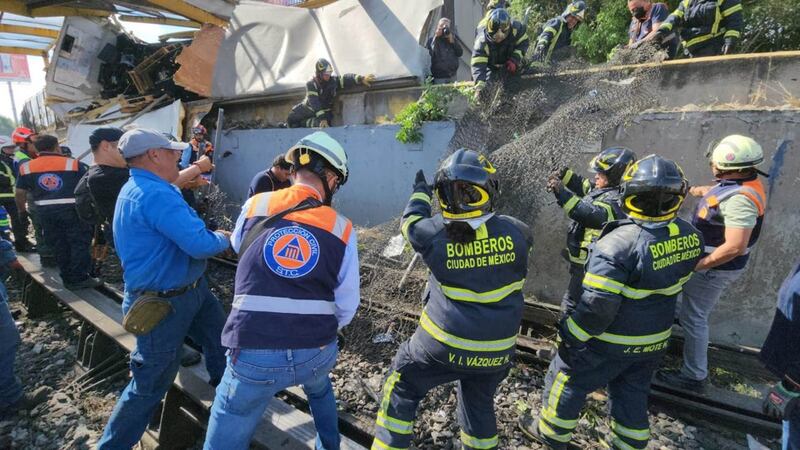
(445, 53)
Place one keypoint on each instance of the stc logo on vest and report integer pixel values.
(291, 252)
(50, 182)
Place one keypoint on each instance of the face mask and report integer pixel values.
(639, 12)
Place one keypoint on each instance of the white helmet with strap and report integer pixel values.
(322, 144)
(737, 152)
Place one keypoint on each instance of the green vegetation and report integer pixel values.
(432, 105)
(6, 126)
(770, 25)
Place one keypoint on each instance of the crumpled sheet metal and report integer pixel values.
(271, 49)
(197, 60)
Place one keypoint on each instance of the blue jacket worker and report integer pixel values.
(781, 354)
(468, 329)
(12, 397)
(50, 180)
(589, 205)
(620, 329)
(730, 215)
(297, 284)
(272, 179)
(163, 246)
(557, 33)
(445, 53)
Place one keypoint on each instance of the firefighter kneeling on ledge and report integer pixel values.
(468, 329)
(620, 327)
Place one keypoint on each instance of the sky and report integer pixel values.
(24, 91)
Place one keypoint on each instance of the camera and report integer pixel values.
(446, 31)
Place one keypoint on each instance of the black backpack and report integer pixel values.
(85, 204)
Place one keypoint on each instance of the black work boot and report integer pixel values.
(674, 377)
(530, 428)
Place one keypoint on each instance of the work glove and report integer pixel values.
(323, 123)
(728, 47)
(554, 180)
(554, 183)
(511, 66)
(368, 80)
(538, 53)
(421, 184)
(780, 402)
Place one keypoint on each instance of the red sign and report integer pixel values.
(14, 68)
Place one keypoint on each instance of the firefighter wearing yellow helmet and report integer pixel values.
(621, 325)
(467, 332)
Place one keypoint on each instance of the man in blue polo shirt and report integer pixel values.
(163, 246)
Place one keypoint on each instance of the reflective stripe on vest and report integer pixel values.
(283, 305)
(462, 343)
(56, 201)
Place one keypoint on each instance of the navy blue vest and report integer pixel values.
(51, 180)
(709, 221)
(285, 280)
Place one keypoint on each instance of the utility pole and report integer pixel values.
(13, 104)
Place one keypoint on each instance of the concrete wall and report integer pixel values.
(381, 168)
(745, 311)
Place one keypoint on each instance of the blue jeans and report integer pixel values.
(70, 240)
(253, 377)
(10, 387)
(791, 432)
(154, 363)
(700, 295)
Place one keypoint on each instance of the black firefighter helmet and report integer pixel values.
(653, 189)
(613, 162)
(498, 24)
(322, 67)
(466, 185)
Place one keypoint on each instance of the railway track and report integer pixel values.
(714, 405)
(183, 415)
(287, 424)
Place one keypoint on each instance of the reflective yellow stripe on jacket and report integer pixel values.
(462, 343)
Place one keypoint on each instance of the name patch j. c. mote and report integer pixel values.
(291, 252)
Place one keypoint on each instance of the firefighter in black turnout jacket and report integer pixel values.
(500, 46)
(620, 328)
(468, 328)
(316, 110)
(590, 205)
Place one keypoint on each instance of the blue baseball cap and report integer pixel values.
(138, 141)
